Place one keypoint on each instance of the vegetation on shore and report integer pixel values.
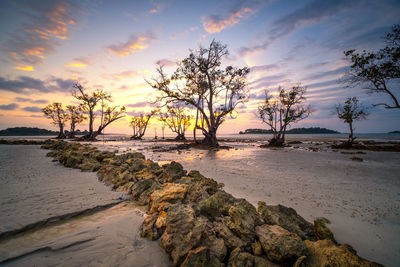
(199, 224)
(26, 131)
(311, 130)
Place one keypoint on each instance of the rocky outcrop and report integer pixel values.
(199, 224)
(286, 218)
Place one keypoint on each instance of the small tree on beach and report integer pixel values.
(75, 117)
(283, 110)
(202, 83)
(351, 111)
(177, 120)
(57, 114)
(89, 102)
(139, 125)
(378, 71)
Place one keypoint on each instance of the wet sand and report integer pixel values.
(35, 189)
(361, 199)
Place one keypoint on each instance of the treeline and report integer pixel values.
(311, 130)
(26, 131)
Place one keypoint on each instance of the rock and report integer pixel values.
(279, 244)
(286, 218)
(168, 194)
(172, 172)
(217, 205)
(322, 231)
(263, 262)
(148, 228)
(183, 232)
(142, 190)
(210, 185)
(231, 241)
(135, 165)
(90, 165)
(200, 257)
(240, 259)
(242, 220)
(196, 193)
(327, 253)
(256, 248)
(161, 220)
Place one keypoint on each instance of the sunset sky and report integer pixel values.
(45, 46)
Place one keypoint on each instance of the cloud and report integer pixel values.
(319, 75)
(79, 62)
(263, 68)
(184, 33)
(32, 109)
(25, 68)
(216, 23)
(134, 43)
(47, 22)
(38, 101)
(11, 106)
(29, 85)
(166, 62)
(120, 75)
(158, 6)
(312, 13)
(140, 104)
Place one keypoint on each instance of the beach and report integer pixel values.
(360, 198)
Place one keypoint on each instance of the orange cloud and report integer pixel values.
(133, 44)
(81, 62)
(120, 75)
(25, 68)
(214, 23)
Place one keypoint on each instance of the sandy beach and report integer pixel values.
(37, 191)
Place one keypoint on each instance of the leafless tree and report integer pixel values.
(75, 117)
(139, 125)
(203, 84)
(283, 110)
(57, 114)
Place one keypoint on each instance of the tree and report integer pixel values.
(75, 117)
(201, 82)
(351, 111)
(139, 125)
(57, 114)
(89, 102)
(283, 110)
(379, 71)
(177, 120)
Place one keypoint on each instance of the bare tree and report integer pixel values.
(351, 111)
(75, 117)
(202, 83)
(378, 71)
(176, 120)
(89, 102)
(57, 114)
(139, 125)
(283, 110)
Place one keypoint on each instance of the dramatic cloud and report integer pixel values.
(24, 99)
(25, 68)
(47, 22)
(134, 43)
(312, 13)
(166, 62)
(32, 109)
(80, 62)
(27, 85)
(216, 23)
(319, 75)
(12, 106)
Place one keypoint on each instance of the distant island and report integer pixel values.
(311, 130)
(394, 132)
(29, 131)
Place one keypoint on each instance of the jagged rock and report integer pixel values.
(91, 165)
(161, 220)
(210, 185)
(183, 232)
(263, 262)
(326, 253)
(135, 165)
(322, 231)
(172, 172)
(240, 259)
(230, 239)
(286, 218)
(196, 193)
(168, 194)
(279, 244)
(148, 228)
(142, 190)
(217, 205)
(242, 220)
(200, 257)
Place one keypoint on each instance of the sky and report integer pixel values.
(47, 46)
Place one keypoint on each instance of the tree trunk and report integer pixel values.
(210, 139)
(61, 135)
(351, 136)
